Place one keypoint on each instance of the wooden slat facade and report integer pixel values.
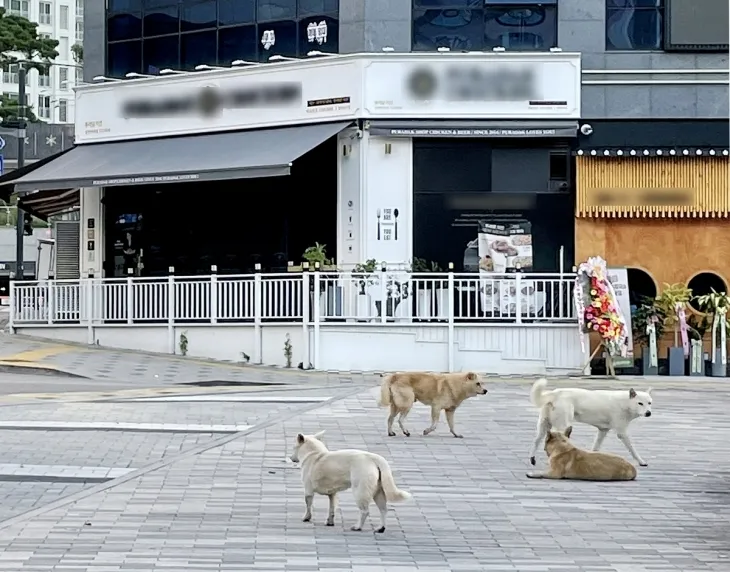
(687, 187)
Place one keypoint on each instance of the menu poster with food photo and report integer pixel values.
(506, 248)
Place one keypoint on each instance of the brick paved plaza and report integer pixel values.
(230, 501)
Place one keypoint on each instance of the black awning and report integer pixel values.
(7, 181)
(237, 155)
(474, 129)
(44, 204)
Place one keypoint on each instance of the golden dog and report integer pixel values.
(569, 462)
(444, 391)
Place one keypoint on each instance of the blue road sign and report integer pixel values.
(2, 165)
(2, 143)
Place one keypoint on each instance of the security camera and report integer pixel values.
(586, 129)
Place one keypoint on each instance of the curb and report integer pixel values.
(37, 369)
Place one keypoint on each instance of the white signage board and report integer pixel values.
(491, 86)
(619, 279)
(358, 86)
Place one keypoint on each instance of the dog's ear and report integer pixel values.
(300, 438)
(649, 391)
(568, 432)
(632, 393)
(471, 376)
(320, 434)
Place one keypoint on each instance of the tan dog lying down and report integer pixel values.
(569, 462)
(328, 472)
(446, 391)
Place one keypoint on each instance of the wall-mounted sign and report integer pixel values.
(268, 39)
(317, 32)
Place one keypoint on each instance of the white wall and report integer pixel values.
(91, 207)
(349, 162)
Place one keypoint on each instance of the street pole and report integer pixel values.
(19, 269)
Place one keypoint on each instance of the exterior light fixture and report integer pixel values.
(672, 152)
(646, 151)
(580, 151)
(685, 152)
(659, 152)
(633, 152)
(712, 152)
(593, 152)
(619, 152)
(698, 152)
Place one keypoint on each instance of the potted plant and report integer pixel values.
(673, 302)
(716, 306)
(648, 327)
(364, 278)
(330, 294)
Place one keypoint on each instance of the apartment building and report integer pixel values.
(50, 95)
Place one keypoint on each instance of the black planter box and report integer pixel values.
(646, 368)
(675, 361)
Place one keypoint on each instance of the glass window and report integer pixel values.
(161, 53)
(123, 57)
(62, 110)
(453, 28)
(318, 34)
(634, 24)
(275, 10)
(44, 13)
(124, 5)
(316, 7)
(448, 3)
(162, 20)
(63, 77)
(124, 26)
(198, 15)
(63, 16)
(277, 38)
(239, 43)
(521, 27)
(198, 48)
(236, 12)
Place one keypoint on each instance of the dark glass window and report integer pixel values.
(452, 28)
(448, 3)
(277, 38)
(239, 43)
(124, 57)
(319, 33)
(162, 20)
(634, 24)
(317, 7)
(124, 26)
(161, 53)
(521, 26)
(124, 5)
(198, 48)
(199, 15)
(275, 10)
(236, 12)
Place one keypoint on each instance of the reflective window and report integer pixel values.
(198, 48)
(124, 5)
(318, 33)
(275, 10)
(124, 26)
(161, 53)
(161, 20)
(456, 29)
(277, 38)
(124, 57)
(521, 27)
(239, 43)
(448, 3)
(316, 7)
(198, 15)
(634, 24)
(236, 12)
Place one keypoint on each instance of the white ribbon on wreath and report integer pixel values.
(720, 321)
(651, 332)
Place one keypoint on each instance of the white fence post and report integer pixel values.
(13, 308)
(213, 294)
(518, 297)
(450, 335)
(89, 288)
(171, 310)
(130, 296)
(317, 316)
(306, 352)
(257, 298)
(383, 296)
(50, 295)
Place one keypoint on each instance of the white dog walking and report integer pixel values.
(329, 472)
(605, 410)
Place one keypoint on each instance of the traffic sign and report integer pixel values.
(2, 143)
(2, 165)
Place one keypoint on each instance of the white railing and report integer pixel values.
(376, 298)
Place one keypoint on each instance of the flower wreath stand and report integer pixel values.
(598, 312)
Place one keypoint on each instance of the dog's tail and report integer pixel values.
(392, 492)
(385, 395)
(537, 392)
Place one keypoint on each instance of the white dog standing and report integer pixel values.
(605, 410)
(329, 472)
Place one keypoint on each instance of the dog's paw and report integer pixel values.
(330, 523)
(391, 433)
(532, 475)
(355, 528)
(307, 518)
(458, 436)
(533, 462)
(407, 433)
(643, 464)
(380, 530)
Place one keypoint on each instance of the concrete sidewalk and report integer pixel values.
(61, 358)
